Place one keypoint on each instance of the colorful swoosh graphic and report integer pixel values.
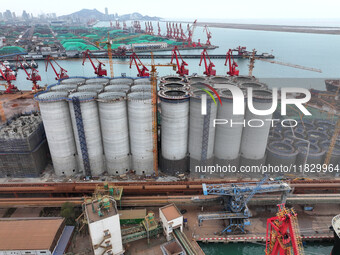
(209, 93)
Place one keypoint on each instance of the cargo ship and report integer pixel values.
(332, 85)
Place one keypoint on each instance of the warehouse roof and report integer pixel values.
(30, 234)
(170, 212)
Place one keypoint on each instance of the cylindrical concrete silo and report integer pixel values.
(194, 79)
(117, 88)
(243, 78)
(64, 87)
(91, 88)
(174, 85)
(254, 85)
(274, 136)
(255, 133)
(315, 154)
(174, 130)
(197, 86)
(140, 126)
(73, 81)
(280, 153)
(219, 79)
(171, 79)
(98, 80)
(317, 136)
(58, 128)
(121, 81)
(145, 88)
(227, 135)
(142, 81)
(201, 131)
(288, 134)
(86, 128)
(115, 133)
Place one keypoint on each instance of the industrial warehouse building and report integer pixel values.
(45, 236)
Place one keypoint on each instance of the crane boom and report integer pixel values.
(181, 70)
(62, 74)
(141, 72)
(291, 65)
(98, 70)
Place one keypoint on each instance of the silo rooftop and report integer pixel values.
(92, 211)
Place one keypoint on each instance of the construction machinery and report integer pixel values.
(283, 233)
(232, 64)
(333, 142)
(209, 71)
(235, 199)
(159, 29)
(206, 29)
(191, 30)
(109, 52)
(142, 72)
(62, 73)
(33, 76)
(181, 70)
(8, 75)
(98, 70)
(117, 24)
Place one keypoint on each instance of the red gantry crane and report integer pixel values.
(141, 72)
(98, 70)
(232, 64)
(159, 30)
(181, 70)
(206, 29)
(62, 73)
(283, 234)
(33, 76)
(7, 75)
(191, 30)
(209, 71)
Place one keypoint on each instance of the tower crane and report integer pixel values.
(141, 72)
(8, 75)
(33, 76)
(191, 30)
(209, 71)
(206, 29)
(181, 70)
(235, 199)
(62, 73)
(283, 233)
(109, 53)
(98, 70)
(232, 64)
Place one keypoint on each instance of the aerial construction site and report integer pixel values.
(102, 163)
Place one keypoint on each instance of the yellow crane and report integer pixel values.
(333, 142)
(109, 52)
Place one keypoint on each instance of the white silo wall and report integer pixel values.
(115, 132)
(142, 81)
(121, 81)
(90, 117)
(140, 125)
(58, 128)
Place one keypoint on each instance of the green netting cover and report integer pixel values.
(10, 50)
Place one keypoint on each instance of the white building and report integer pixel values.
(171, 219)
(104, 226)
(149, 46)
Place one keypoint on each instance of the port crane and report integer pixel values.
(7, 75)
(283, 233)
(142, 72)
(159, 29)
(98, 70)
(252, 59)
(235, 199)
(191, 30)
(232, 64)
(209, 71)
(33, 76)
(62, 73)
(181, 70)
(206, 29)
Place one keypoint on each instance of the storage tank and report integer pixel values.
(91, 88)
(194, 79)
(201, 131)
(317, 136)
(86, 128)
(121, 81)
(254, 85)
(174, 130)
(280, 153)
(145, 88)
(141, 81)
(227, 136)
(174, 85)
(304, 125)
(64, 87)
(315, 154)
(243, 78)
(254, 139)
(171, 79)
(73, 81)
(58, 128)
(114, 126)
(117, 88)
(219, 79)
(294, 136)
(197, 86)
(140, 125)
(98, 80)
(274, 136)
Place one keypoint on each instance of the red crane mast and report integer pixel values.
(206, 29)
(209, 71)
(62, 73)
(141, 72)
(98, 70)
(181, 70)
(34, 77)
(159, 30)
(8, 76)
(232, 64)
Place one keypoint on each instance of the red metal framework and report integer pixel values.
(8, 76)
(117, 24)
(181, 70)
(141, 72)
(191, 30)
(209, 71)
(232, 64)
(159, 29)
(283, 235)
(98, 70)
(33, 76)
(206, 29)
(62, 73)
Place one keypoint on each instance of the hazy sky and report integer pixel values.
(215, 9)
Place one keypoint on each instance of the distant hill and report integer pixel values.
(86, 14)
